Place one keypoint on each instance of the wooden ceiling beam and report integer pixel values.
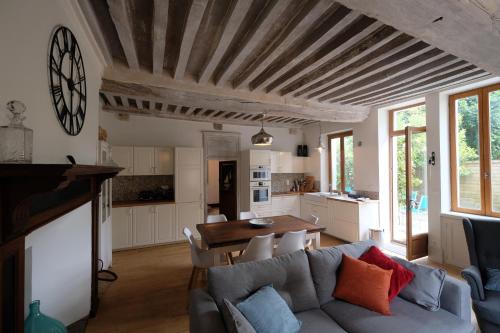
(408, 53)
(261, 29)
(391, 72)
(160, 22)
(366, 46)
(121, 15)
(333, 22)
(265, 59)
(232, 21)
(355, 32)
(190, 28)
(94, 25)
(393, 47)
(412, 91)
(421, 78)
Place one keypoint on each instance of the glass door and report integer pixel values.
(417, 199)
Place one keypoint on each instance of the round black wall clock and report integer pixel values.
(67, 80)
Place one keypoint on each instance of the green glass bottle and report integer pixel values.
(37, 322)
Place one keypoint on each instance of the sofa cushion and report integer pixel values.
(364, 284)
(267, 312)
(234, 320)
(289, 274)
(324, 264)
(489, 309)
(493, 282)
(400, 277)
(316, 321)
(426, 287)
(406, 317)
(355, 250)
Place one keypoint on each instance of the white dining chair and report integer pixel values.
(216, 218)
(259, 248)
(200, 258)
(247, 215)
(290, 242)
(314, 220)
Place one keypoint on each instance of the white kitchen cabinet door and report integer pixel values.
(124, 157)
(144, 159)
(143, 225)
(164, 161)
(298, 164)
(165, 224)
(275, 162)
(121, 227)
(260, 157)
(321, 212)
(188, 175)
(188, 215)
(286, 162)
(277, 207)
(291, 205)
(305, 209)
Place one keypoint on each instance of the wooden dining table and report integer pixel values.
(224, 237)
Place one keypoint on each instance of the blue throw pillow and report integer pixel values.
(493, 282)
(268, 312)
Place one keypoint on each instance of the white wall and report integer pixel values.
(150, 131)
(61, 250)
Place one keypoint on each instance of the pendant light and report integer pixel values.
(262, 138)
(320, 143)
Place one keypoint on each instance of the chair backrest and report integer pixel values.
(199, 257)
(314, 219)
(259, 248)
(483, 242)
(247, 215)
(216, 218)
(290, 242)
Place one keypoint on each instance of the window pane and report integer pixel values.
(494, 107)
(467, 139)
(348, 163)
(399, 189)
(414, 116)
(335, 156)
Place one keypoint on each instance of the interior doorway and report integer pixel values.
(408, 177)
(222, 188)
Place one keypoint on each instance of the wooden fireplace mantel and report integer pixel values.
(32, 195)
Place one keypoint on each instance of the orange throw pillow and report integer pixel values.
(364, 284)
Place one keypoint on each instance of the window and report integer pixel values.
(340, 161)
(475, 151)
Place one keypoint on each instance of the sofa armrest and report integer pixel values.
(473, 277)
(204, 316)
(455, 298)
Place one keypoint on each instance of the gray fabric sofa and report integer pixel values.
(306, 281)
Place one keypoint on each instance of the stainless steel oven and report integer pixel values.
(260, 192)
(260, 173)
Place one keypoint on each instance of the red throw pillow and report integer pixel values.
(401, 276)
(363, 284)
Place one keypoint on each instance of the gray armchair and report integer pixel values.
(483, 241)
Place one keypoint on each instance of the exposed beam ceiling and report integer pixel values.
(294, 59)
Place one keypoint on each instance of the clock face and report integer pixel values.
(67, 80)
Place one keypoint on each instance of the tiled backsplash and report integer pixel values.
(127, 187)
(279, 181)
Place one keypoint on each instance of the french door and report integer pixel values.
(409, 191)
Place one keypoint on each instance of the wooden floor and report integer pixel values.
(151, 294)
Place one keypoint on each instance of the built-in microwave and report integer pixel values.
(260, 192)
(260, 173)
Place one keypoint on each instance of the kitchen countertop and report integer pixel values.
(130, 203)
(277, 194)
(343, 199)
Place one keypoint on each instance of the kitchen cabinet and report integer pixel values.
(299, 164)
(188, 215)
(281, 162)
(352, 221)
(122, 228)
(317, 208)
(143, 225)
(262, 210)
(164, 160)
(260, 157)
(124, 157)
(144, 161)
(165, 224)
(286, 205)
(188, 175)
